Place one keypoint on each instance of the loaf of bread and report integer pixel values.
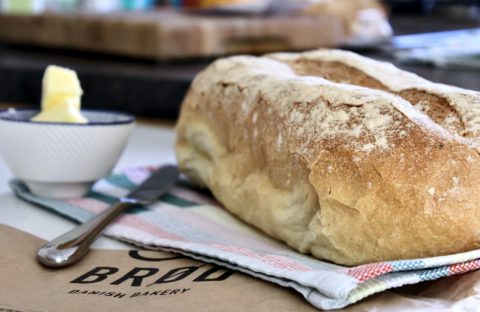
(346, 158)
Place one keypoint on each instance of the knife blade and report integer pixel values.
(74, 244)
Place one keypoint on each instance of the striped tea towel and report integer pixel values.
(186, 222)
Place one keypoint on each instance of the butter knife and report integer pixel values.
(74, 244)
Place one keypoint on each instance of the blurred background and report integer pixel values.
(141, 55)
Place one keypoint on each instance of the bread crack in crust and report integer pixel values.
(346, 158)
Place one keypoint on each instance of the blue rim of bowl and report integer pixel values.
(129, 118)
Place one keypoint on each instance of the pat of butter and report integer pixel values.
(61, 94)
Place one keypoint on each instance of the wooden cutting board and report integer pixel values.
(167, 34)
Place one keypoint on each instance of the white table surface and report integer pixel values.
(148, 145)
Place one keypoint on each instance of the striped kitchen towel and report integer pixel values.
(188, 222)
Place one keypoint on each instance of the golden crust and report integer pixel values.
(346, 173)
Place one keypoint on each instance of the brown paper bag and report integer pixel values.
(139, 280)
(135, 280)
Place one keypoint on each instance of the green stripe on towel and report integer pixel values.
(122, 181)
(177, 201)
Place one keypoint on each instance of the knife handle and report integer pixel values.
(74, 244)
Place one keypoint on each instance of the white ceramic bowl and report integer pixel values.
(62, 160)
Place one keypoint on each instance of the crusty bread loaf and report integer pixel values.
(333, 168)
